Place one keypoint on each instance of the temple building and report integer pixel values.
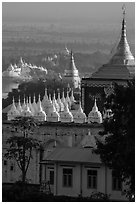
(71, 74)
(119, 69)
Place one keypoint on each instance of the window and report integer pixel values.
(67, 177)
(51, 177)
(5, 162)
(11, 167)
(116, 182)
(92, 179)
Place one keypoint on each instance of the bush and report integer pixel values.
(20, 192)
(99, 196)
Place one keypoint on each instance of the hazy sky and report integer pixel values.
(66, 11)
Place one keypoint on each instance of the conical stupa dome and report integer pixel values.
(66, 116)
(24, 105)
(80, 116)
(68, 100)
(31, 106)
(95, 116)
(54, 101)
(40, 115)
(34, 105)
(52, 115)
(63, 98)
(89, 141)
(19, 108)
(72, 99)
(26, 112)
(13, 112)
(46, 102)
(61, 105)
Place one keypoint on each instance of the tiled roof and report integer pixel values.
(73, 154)
(109, 71)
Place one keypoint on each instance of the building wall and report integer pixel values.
(79, 187)
(12, 173)
(69, 191)
(100, 179)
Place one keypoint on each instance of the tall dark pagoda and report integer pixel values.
(119, 69)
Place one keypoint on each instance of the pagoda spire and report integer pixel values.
(123, 54)
(39, 104)
(123, 31)
(72, 62)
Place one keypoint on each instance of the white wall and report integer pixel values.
(75, 190)
(100, 180)
(69, 191)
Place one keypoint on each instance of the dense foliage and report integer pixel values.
(118, 150)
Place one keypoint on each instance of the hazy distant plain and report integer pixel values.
(31, 29)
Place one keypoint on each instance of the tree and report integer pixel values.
(20, 147)
(118, 149)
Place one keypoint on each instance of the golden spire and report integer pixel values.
(124, 22)
(123, 54)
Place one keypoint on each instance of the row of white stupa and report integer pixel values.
(23, 64)
(54, 110)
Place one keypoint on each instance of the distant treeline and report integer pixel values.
(27, 89)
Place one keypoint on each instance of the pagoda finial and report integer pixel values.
(54, 96)
(19, 99)
(95, 108)
(50, 98)
(45, 91)
(124, 10)
(39, 97)
(24, 99)
(71, 55)
(13, 101)
(124, 21)
(29, 98)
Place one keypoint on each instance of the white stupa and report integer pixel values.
(13, 112)
(26, 112)
(61, 105)
(89, 141)
(34, 105)
(40, 115)
(19, 108)
(24, 105)
(31, 106)
(95, 115)
(46, 102)
(80, 116)
(68, 100)
(52, 115)
(66, 116)
(63, 100)
(72, 99)
(56, 105)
